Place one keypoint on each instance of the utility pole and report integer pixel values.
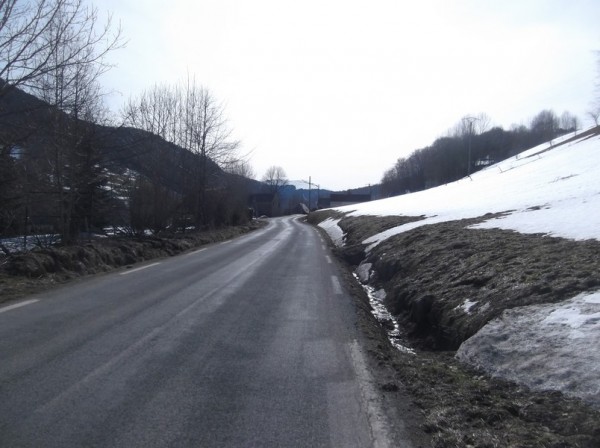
(310, 184)
(470, 121)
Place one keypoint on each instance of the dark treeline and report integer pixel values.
(469, 147)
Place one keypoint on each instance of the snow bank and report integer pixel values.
(553, 346)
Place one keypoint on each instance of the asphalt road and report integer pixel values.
(247, 343)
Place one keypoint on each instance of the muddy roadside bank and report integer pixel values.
(428, 273)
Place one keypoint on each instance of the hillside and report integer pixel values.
(62, 174)
(501, 271)
(26, 121)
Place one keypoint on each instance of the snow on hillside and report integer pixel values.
(555, 191)
(552, 189)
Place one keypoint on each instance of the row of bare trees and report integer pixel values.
(189, 116)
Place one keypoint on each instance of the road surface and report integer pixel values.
(248, 343)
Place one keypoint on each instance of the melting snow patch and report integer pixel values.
(572, 317)
(551, 346)
(592, 298)
(363, 271)
(334, 231)
(374, 240)
(384, 317)
(466, 306)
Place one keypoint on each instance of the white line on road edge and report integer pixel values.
(328, 259)
(337, 288)
(225, 242)
(323, 247)
(18, 305)
(196, 251)
(139, 269)
(375, 415)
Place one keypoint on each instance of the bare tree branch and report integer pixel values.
(33, 33)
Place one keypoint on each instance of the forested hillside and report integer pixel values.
(469, 147)
(63, 175)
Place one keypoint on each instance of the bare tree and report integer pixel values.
(206, 130)
(471, 125)
(241, 168)
(156, 111)
(206, 134)
(189, 116)
(545, 124)
(275, 178)
(569, 122)
(22, 25)
(69, 84)
(33, 32)
(483, 123)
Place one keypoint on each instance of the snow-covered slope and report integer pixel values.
(547, 189)
(552, 189)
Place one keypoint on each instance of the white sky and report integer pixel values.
(339, 89)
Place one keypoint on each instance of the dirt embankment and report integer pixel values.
(443, 283)
(448, 281)
(29, 272)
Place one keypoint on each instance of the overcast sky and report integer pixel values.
(339, 89)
